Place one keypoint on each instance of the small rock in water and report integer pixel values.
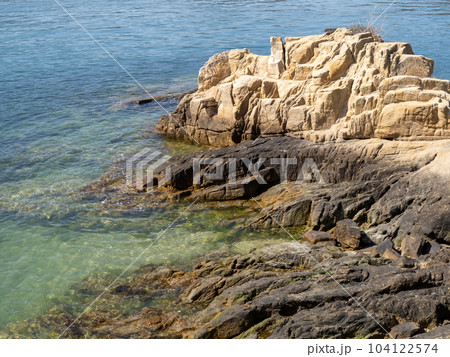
(347, 233)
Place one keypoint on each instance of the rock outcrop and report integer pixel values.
(393, 188)
(374, 261)
(347, 233)
(290, 290)
(337, 85)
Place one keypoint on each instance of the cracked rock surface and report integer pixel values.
(391, 188)
(338, 85)
(290, 290)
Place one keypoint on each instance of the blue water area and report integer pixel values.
(63, 122)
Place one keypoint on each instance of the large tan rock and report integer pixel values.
(333, 86)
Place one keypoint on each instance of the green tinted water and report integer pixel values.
(61, 126)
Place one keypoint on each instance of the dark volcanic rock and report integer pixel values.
(380, 233)
(317, 237)
(325, 214)
(390, 253)
(291, 290)
(382, 247)
(351, 180)
(405, 330)
(347, 233)
(359, 184)
(440, 332)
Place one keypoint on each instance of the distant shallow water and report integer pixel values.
(60, 126)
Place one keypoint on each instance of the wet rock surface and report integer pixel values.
(291, 290)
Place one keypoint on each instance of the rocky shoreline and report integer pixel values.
(292, 290)
(340, 134)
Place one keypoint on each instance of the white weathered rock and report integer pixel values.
(276, 59)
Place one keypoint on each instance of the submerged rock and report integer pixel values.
(290, 290)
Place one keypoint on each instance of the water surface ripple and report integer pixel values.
(61, 127)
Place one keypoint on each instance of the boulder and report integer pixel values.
(412, 246)
(380, 233)
(431, 248)
(411, 194)
(325, 214)
(347, 233)
(315, 237)
(385, 250)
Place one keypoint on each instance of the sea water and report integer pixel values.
(64, 120)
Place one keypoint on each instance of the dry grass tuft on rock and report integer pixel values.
(375, 31)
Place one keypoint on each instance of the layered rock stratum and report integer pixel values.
(333, 86)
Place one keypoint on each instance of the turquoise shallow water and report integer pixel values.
(61, 127)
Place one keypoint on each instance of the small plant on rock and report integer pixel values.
(359, 27)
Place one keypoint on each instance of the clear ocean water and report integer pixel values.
(61, 125)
